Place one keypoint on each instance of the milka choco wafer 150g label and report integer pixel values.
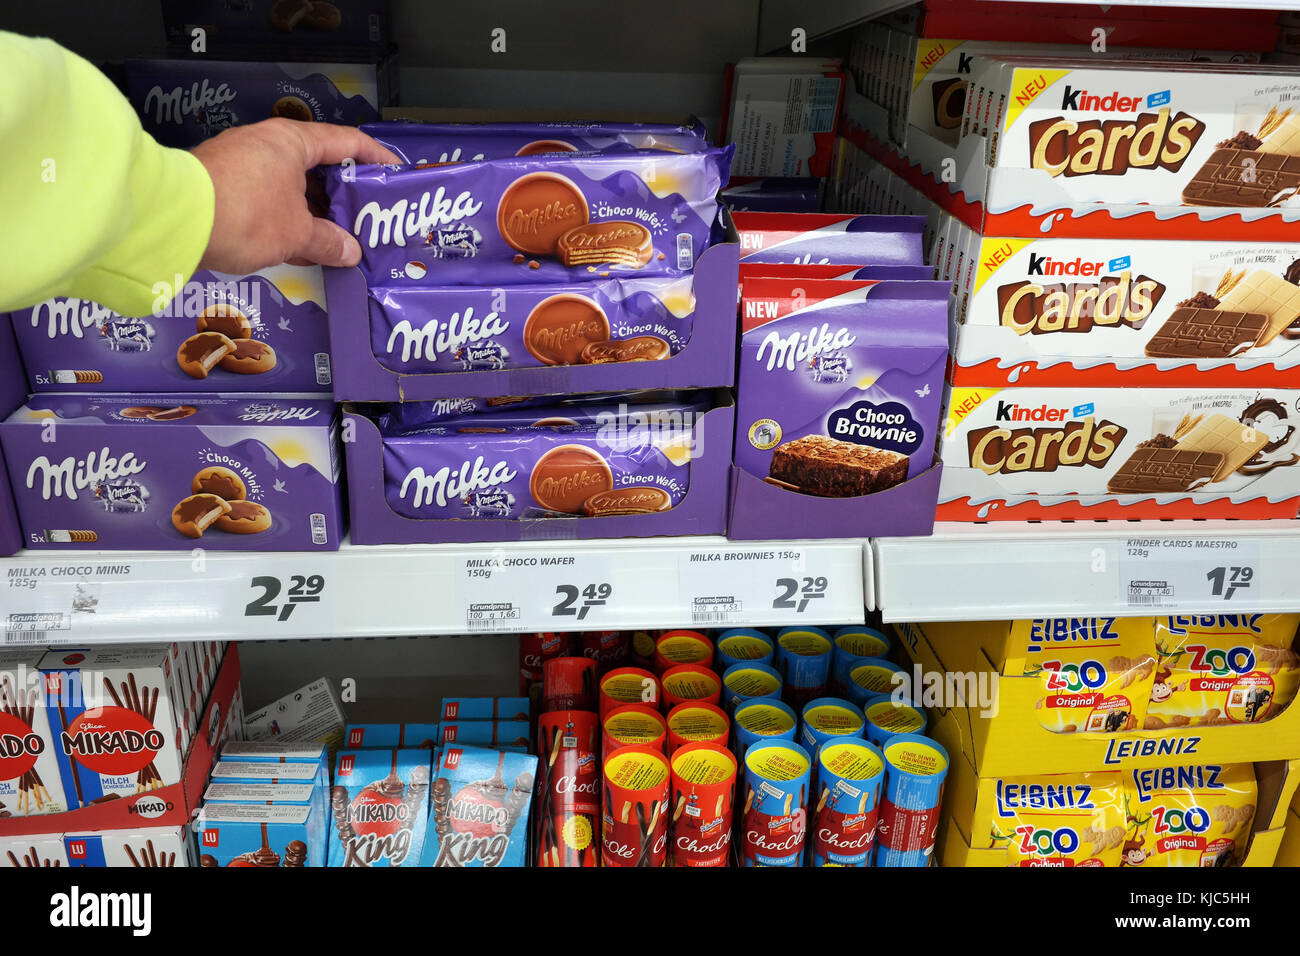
(1087, 446)
(1168, 134)
(1145, 312)
(533, 219)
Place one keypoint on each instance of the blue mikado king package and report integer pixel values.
(480, 808)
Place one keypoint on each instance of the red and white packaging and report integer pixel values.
(44, 850)
(782, 115)
(567, 822)
(702, 800)
(149, 848)
(29, 773)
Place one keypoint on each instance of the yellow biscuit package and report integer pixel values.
(1222, 669)
(1095, 672)
(1188, 816)
(1060, 819)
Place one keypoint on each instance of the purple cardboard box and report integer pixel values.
(164, 471)
(319, 29)
(818, 238)
(12, 393)
(378, 470)
(532, 219)
(265, 332)
(840, 387)
(183, 102)
(365, 372)
(419, 142)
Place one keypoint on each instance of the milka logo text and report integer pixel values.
(798, 348)
(445, 484)
(65, 479)
(173, 107)
(405, 218)
(69, 316)
(436, 337)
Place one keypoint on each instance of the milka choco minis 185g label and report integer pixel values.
(839, 383)
(528, 220)
(264, 332)
(435, 143)
(236, 472)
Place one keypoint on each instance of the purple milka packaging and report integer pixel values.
(624, 481)
(418, 142)
(538, 219)
(417, 330)
(561, 418)
(529, 473)
(183, 102)
(818, 238)
(264, 332)
(774, 194)
(402, 417)
(840, 387)
(174, 471)
(12, 393)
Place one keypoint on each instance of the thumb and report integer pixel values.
(329, 245)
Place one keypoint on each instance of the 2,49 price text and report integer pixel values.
(593, 595)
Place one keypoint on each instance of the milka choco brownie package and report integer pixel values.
(840, 383)
(830, 238)
(183, 102)
(176, 471)
(1131, 312)
(265, 332)
(533, 219)
(1164, 134)
(418, 142)
(1018, 453)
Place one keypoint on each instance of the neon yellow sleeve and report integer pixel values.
(93, 206)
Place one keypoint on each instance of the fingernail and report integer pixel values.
(351, 251)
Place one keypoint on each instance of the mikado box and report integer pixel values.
(176, 471)
(1051, 453)
(1072, 695)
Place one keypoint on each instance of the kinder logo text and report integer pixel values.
(1115, 300)
(798, 348)
(1015, 797)
(1112, 102)
(446, 484)
(72, 475)
(1072, 630)
(412, 219)
(174, 105)
(1205, 777)
(446, 338)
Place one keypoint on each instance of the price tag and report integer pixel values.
(755, 585)
(1195, 574)
(277, 597)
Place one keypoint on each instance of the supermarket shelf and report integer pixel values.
(778, 17)
(969, 572)
(86, 597)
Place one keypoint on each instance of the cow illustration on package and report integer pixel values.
(486, 356)
(831, 368)
(127, 335)
(122, 494)
(490, 504)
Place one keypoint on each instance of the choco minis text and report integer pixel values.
(151, 471)
(531, 219)
(379, 807)
(840, 384)
(479, 811)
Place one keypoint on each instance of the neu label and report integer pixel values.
(112, 741)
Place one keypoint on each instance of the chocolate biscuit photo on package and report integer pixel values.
(538, 219)
(840, 383)
(1188, 816)
(1223, 669)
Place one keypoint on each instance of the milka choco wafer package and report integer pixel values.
(435, 143)
(379, 807)
(1053, 820)
(1188, 816)
(422, 329)
(235, 472)
(1130, 312)
(1095, 673)
(840, 383)
(1162, 134)
(533, 219)
(263, 332)
(479, 809)
(1222, 669)
(1017, 453)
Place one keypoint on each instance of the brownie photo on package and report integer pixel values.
(831, 468)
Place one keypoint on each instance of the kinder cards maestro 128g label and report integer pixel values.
(1188, 816)
(1222, 669)
(840, 382)
(1066, 819)
(1095, 673)
(533, 219)
(1014, 453)
(1137, 312)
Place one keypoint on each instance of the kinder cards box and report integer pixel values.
(1058, 453)
(840, 386)
(150, 471)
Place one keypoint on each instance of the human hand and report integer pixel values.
(258, 174)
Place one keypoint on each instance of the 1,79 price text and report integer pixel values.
(1227, 581)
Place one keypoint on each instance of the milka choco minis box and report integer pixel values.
(183, 102)
(112, 715)
(1030, 453)
(265, 332)
(176, 471)
(1162, 313)
(840, 386)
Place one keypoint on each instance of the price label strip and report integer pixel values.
(1195, 574)
(754, 585)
